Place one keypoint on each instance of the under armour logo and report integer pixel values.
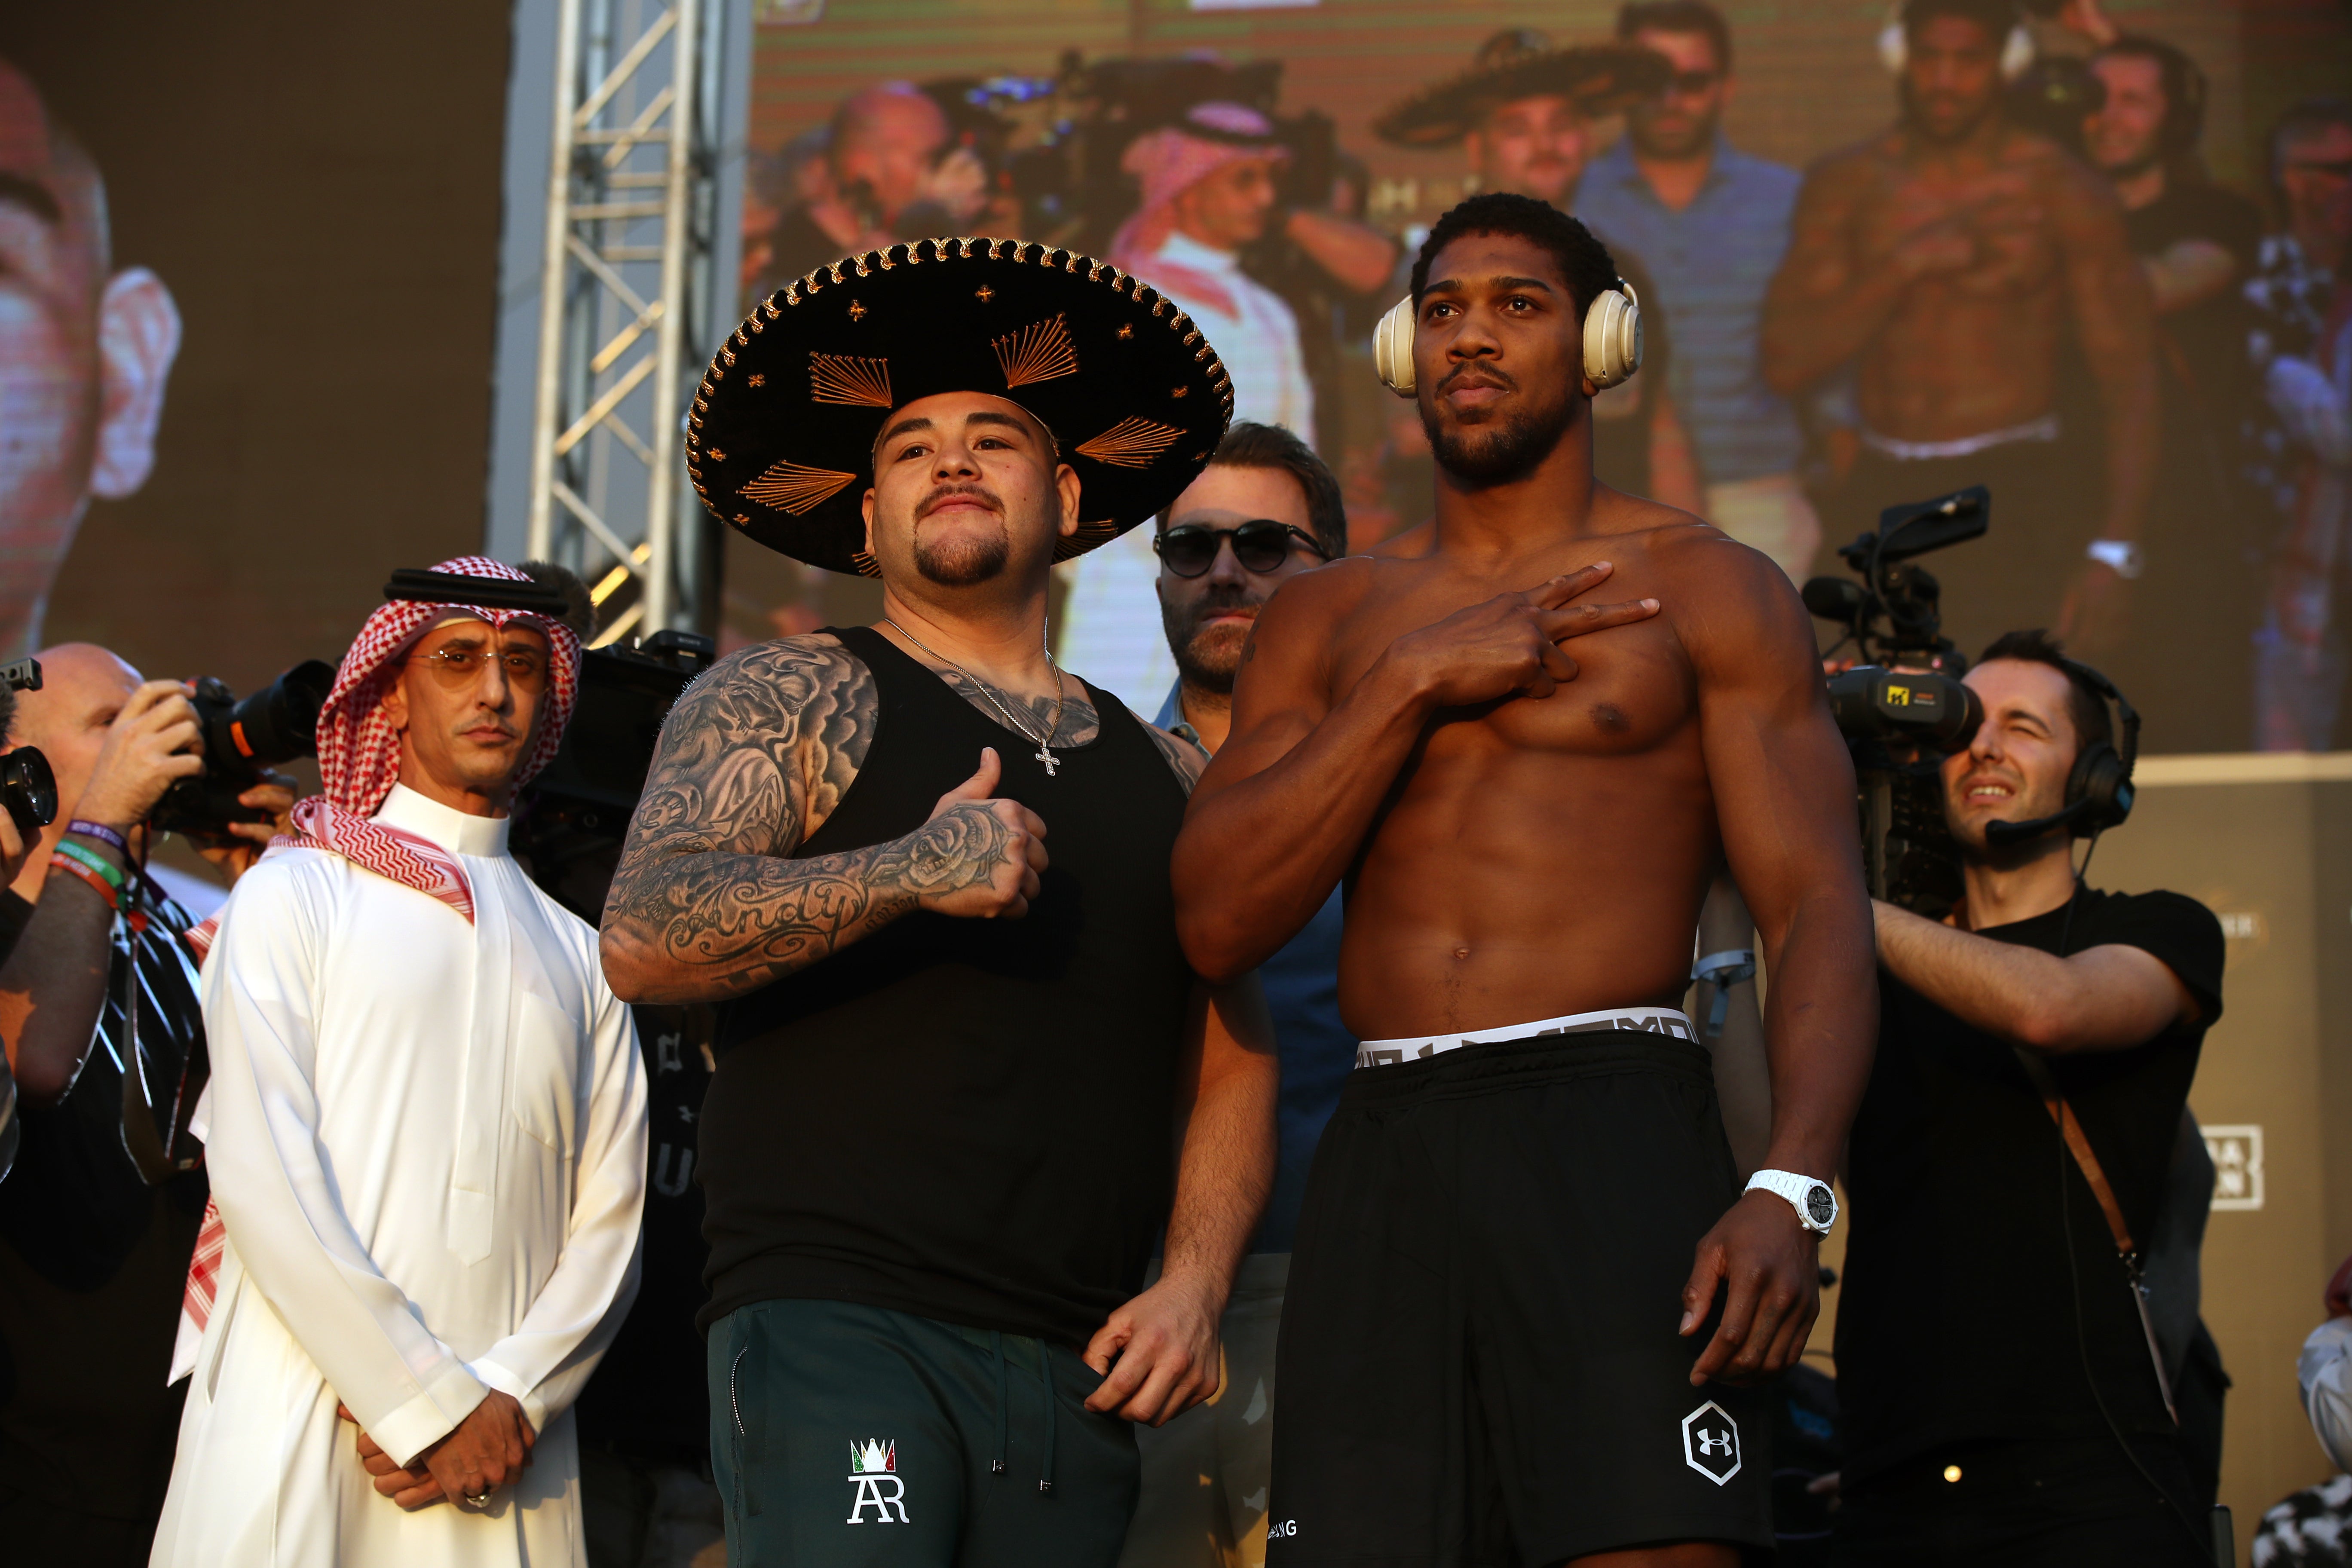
(1711, 1443)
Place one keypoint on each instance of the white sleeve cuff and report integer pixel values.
(428, 1417)
(523, 1393)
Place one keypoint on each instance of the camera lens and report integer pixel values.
(29, 790)
(281, 722)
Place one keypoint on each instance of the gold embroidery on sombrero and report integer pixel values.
(1038, 352)
(845, 378)
(1132, 442)
(795, 489)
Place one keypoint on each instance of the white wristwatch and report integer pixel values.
(1816, 1205)
(2122, 555)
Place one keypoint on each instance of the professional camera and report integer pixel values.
(1904, 711)
(572, 820)
(242, 739)
(27, 788)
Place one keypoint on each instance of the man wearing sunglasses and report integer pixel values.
(1266, 510)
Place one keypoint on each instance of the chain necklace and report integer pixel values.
(1012, 722)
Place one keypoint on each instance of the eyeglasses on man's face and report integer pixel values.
(457, 666)
(1260, 545)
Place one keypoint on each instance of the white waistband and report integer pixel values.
(1641, 1020)
(2042, 429)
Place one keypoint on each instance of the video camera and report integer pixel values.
(573, 818)
(27, 789)
(242, 739)
(1903, 710)
(1067, 173)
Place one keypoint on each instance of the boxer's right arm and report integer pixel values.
(1285, 803)
(756, 755)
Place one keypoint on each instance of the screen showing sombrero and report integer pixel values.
(1824, 334)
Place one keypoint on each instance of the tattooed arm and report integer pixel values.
(1184, 758)
(755, 755)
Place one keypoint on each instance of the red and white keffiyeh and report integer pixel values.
(359, 749)
(359, 762)
(1167, 162)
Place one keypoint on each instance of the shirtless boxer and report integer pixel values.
(1946, 257)
(1497, 1341)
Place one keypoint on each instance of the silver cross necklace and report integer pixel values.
(1012, 722)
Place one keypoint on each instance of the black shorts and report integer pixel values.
(1478, 1356)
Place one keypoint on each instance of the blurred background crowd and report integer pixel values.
(1290, 202)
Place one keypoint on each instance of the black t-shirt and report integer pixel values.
(1958, 1316)
(2209, 336)
(650, 1396)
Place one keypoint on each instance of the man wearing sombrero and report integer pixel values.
(965, 1076)
(426, 1129)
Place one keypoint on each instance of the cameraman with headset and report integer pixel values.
(2002, 1393)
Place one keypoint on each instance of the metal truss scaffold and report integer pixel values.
(628, 277)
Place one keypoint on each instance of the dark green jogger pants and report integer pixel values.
(853, 1437)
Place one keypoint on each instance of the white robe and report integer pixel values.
(427, 1141)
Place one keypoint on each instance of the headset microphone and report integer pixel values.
(2002, 835)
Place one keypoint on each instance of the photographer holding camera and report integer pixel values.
(2004, 1396)
(98, 1220)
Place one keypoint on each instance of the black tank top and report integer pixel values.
(966, 1120)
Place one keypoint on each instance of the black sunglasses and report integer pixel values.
(1260, 545)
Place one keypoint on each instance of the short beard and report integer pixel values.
(1483, 456)
(1208, 669)
(965, 561)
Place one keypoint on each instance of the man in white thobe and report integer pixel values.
(425, 1131)
(1208, 190)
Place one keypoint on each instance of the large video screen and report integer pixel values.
(1851, 298)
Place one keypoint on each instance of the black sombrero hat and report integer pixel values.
(1600, 78)
(780, 440)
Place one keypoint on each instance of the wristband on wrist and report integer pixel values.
(99, 831)
(97, 864)
(63, 862)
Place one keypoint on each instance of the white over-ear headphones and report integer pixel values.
(1895, 47)
(1613, 341)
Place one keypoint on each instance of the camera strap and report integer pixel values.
(2086, 1160)
(150, 1154)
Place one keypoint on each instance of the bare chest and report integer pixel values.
(1985, 234)
(1633, 695)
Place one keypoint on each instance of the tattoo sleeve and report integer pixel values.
(1185, 759)
(756, 755)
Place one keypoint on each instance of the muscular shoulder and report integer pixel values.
(761, 747)
(776, 681)
(1851, 170)
(1727, 602)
